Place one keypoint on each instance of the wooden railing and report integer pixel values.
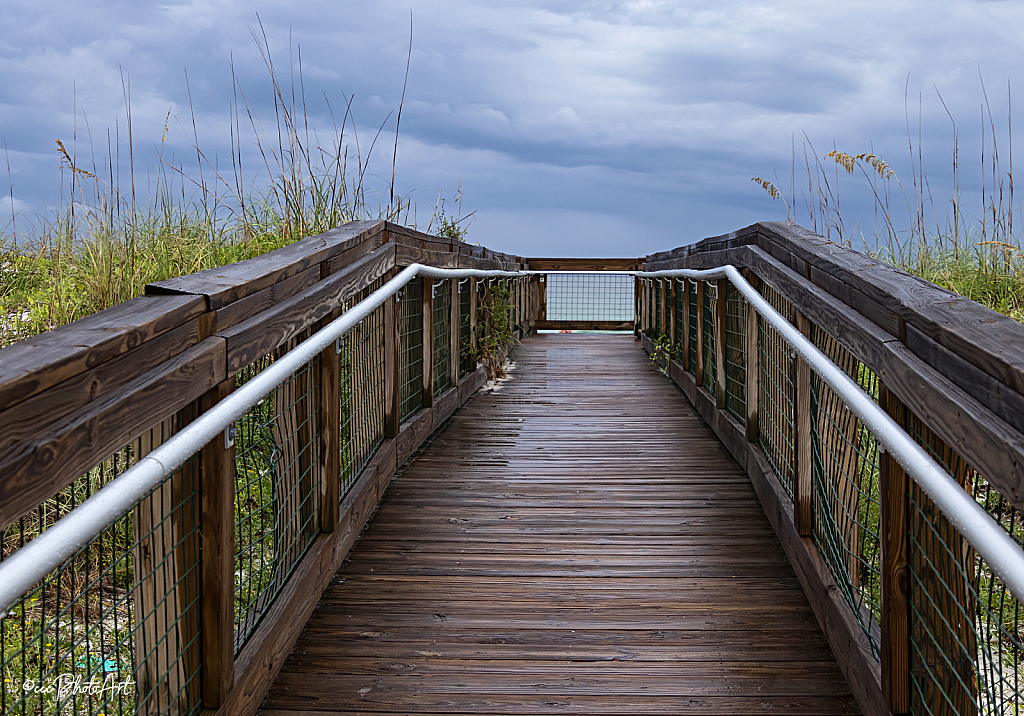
(917, 620)
(197, 594)
(192, 600)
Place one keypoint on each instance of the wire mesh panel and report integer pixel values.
(116, 628)
(846, 489)
(966, 630)
(659, 323)
(735, 353)
(710, 358)
(677, 307)
(467, 362)
(590, 297)
(410, 348)
(693, 328)
(442, 336)
(362, 393)
(276, 495)
(775, 391)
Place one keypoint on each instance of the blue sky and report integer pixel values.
(575, 128)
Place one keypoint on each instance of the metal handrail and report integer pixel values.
(1003, 554)
(26, 567)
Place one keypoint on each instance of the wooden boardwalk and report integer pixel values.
(576, 541)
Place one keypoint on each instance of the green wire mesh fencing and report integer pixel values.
(276, 503)
(361, 377)
(710, 358)
(593, 296)
(735, 353)
(410, 348)
(442, 335)
(659, 323)
(116, 628)
(775, 392)
(966, 630)
(681, 298)
(845, 489)
(693, 327)
(467, 362)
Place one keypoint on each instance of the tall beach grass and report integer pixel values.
(972, 250)
(103, 243)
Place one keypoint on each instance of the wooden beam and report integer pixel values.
(474, 342)
(427, 335)
(453, 333)
(392, 417)
(218, 562)
(686, 325)
(699, 369)
(547, 264)
(671, 302)
(802, 470)
(753, 365)
(542, 296)
(330, 433)
(893, 535)
(721, 307)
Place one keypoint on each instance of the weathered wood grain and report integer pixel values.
(255, 337)
(230, 283)
(843, 632)
(33, 416)
(549, 264)
(41, 466)
(579, 502)
(256, 303)
(38, 363)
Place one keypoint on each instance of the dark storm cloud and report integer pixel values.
(605, 116)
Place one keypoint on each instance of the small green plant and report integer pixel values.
(494, 328)
(659, 357)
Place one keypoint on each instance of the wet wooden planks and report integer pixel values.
(574, 541)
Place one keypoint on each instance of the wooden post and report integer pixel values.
(166, 573)
(474, 342)
(218, 532)
(542, 295)
(638, 302)
(698, 372)
(893, 534)
(802, 488)
(942, 596)
(663, 297)
(427, 377)
(330, 433)
(721, 306)
(671, 302)
(753, 364)
(392, 417)
(453, 332)
(686, 325)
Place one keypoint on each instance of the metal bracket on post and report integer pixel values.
(230, 433)
(462, 282)
(433, 288)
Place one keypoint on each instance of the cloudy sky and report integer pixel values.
(575, 128)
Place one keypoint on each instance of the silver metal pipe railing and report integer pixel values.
(21, 571)
(1003, 554)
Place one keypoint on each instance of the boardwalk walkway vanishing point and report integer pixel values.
(574, 541)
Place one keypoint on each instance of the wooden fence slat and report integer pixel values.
(753, 367)
(803, 473)
(218, 562)
(719, 315)
(895, 643)
(699, 368)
